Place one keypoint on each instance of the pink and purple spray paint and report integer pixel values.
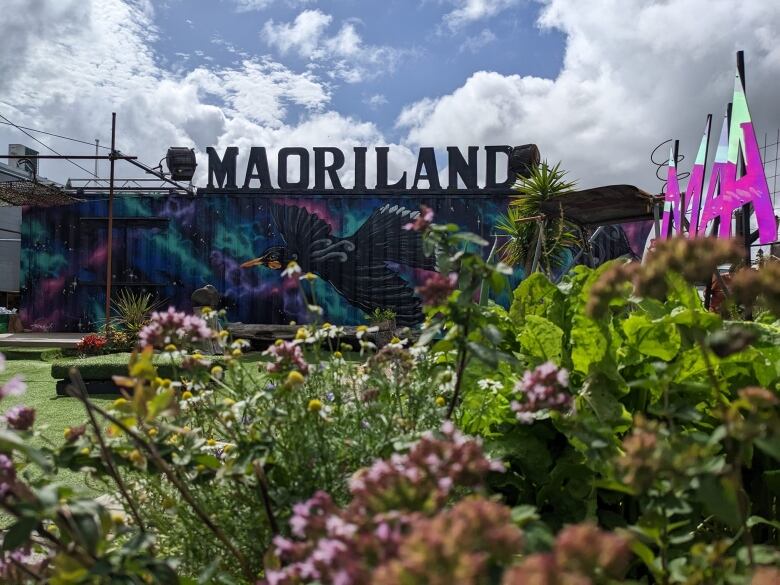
(726, 192)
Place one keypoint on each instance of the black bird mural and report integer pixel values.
(356, 266)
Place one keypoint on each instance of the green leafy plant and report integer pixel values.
(380, 316)
(524, 220)
(639, 435)
(132, 310)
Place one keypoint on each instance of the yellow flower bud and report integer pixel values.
(152, 432)
(279, 342)
(211, 442)
(197, 355)
(170, 347)
(440, 401)
(118, 518)
(236, 352)
(314, 405)
(301, 333)
(294, 378)
(395, 340)
(228, 401)
(120, 402)
(136, 456)
(224, 333)
(338, 355)
(165, 383)
(216, 371)
(186, 395)
(84, 451)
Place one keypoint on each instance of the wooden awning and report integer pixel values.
(603, 205)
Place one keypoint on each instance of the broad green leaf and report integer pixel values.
(770, 446)
(658, 338)
(541, 338)
(756, 520)
(720, 499)
(19, 533)
(536, 295)
(159, 403)
(208, 460)
(588, 344)
(607, 408)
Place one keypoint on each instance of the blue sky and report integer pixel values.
(434, 58)
(596, 84)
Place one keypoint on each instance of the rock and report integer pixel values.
(208, 296)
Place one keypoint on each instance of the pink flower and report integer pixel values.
(13, 387)
(544, 388)
(7, 475)
(287, 355)
(422, 220)
(437, 288)
(174, 327)
(20, 417)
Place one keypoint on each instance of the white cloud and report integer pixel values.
(348, 57)
(467, 11)
(303, 35)
(375, 101)
(634, 73)
(71, 81)
(477, 42)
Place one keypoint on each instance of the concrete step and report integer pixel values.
(63, 340)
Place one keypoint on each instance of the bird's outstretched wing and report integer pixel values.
(303, 232)
(383, 237)
(375, 286)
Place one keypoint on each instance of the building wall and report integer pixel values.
(10, 248)
(172, 245)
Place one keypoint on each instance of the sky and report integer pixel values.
(596, 84)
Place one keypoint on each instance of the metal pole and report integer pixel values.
(110, 223)
(97, 153)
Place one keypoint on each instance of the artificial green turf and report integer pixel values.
(45, 354)
(53, 414)
(103, 367)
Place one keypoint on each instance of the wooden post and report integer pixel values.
(110, 243)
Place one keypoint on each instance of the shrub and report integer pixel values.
(646, 449)
(133, 310)
(92, 344)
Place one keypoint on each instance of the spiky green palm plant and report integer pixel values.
(521, 222)
(132, 310)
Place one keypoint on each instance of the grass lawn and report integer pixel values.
(53, 414)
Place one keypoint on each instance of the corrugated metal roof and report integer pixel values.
(603, 205)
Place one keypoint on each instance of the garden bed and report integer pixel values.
(43, 354)
(98, 371)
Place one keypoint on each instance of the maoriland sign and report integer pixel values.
(328, 162)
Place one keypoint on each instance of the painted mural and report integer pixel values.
(172, 245)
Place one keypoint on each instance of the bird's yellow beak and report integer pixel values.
(273, 265)
(254, 262)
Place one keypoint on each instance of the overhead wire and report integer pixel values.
(8, 122)
(47, 146)
(54, 135)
